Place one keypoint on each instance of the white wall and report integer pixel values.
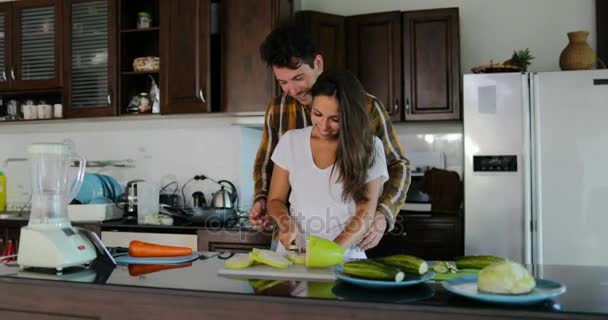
(164, 149)
(492, 29)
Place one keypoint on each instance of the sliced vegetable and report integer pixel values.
(406, 263)
(240, 261)
(440, 267)
(369, 269)
(141, 269)
(476, 262)
(270, 258)
(444, 267)
(505, 278)
(144, 249)
(297, 258)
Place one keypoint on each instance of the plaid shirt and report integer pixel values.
(285, 113)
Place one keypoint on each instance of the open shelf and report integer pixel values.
(135, 73)
(152, 29)
(136, 43)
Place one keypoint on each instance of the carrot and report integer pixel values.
(141, 269)
(144, 249)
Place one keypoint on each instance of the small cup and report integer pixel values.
(57, 111)
(30, 111)
(45, 111)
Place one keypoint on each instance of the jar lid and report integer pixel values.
(143, 14)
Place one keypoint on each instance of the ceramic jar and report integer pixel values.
(577, 55)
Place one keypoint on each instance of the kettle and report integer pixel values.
(224, 198)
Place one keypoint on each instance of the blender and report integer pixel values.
(49, 240)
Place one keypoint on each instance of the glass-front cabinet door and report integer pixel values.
(89, 43)
(35, 46)
(5, 32)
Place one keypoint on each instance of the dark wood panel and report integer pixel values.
(185, 84)
(110, 108)
(248, 84)
(601, 7)
(18, 83)
(6, 11)
(328, 33)
(436, 236)
(431, 64)
(374, 55)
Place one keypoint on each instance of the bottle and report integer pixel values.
(2, 192)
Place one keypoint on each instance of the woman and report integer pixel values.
(335, 169)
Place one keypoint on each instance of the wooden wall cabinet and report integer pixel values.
(374, 45)
(185, 56)
(328, 31)
(30, 57)
(431, 65)
(409, 60)
(248, 83)
(90, 58)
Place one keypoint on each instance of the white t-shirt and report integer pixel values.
(316, 198)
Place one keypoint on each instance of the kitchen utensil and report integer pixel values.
(49, 240)
(224, 198)
(198, 200)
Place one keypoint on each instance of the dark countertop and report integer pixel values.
(586, 296)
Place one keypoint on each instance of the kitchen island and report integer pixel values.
(196, 291)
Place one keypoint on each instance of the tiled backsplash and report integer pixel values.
(176, 149)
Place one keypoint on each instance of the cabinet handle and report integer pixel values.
(395, 107)
(13, 73)
(109, 100)
(3, 75)
(201, 95)
(407, 105)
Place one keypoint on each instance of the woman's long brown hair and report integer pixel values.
(355, 153)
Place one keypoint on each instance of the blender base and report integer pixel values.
(55, 248)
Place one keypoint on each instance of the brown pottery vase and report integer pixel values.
(577, 55)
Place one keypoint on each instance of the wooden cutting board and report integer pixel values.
(295, 272)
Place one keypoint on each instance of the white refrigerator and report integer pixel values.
(536, 166)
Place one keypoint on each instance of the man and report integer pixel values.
(296, 64)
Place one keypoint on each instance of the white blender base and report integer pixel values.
(52, 247)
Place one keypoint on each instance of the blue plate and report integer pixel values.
(410, 280)
(467, 287)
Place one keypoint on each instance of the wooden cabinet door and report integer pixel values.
(248, 83)
(5, 44)
(431, 64)
(90, 58)
(373, 44)
(328, 33)
(184, 57)
(36, 45)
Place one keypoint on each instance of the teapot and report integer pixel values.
(224, 198)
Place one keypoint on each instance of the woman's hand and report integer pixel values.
(288, 235)
(374, 233)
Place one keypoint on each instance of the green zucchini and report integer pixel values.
(406, 263)
(374, 270)
(476, 262)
